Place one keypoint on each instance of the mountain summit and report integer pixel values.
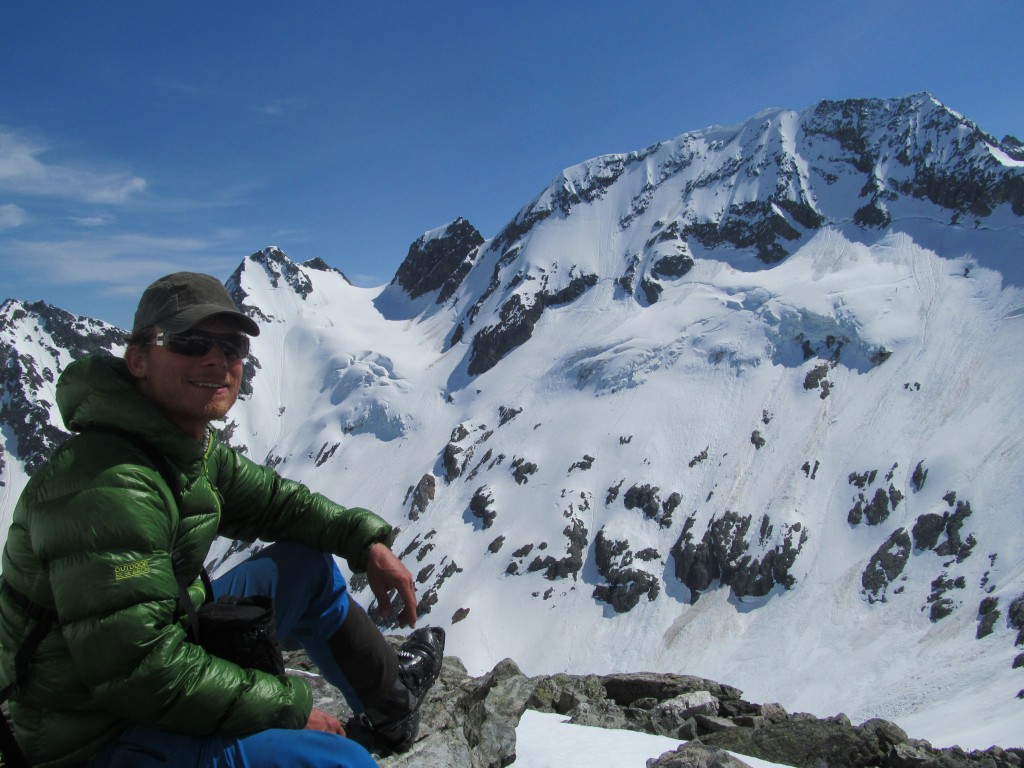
(743, 404)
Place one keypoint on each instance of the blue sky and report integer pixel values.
(140, 138)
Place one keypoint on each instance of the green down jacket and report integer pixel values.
(92, 537)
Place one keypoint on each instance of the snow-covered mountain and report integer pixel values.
(744, 404)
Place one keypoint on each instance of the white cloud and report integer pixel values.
(123, 263)
(12, 216)
(280, 107)
(92, 221)
(24, 172)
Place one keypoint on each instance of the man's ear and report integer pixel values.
(137, 361)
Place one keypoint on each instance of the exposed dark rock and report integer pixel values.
(506, 414)
(816, 379)
(723, 555)
(26, 383)
(886, 565)
(1015, 616)
(572, 562)
(495, 546)
(756, 440)
(422, 495)
(988, 615)
(429, 598)
(456, 455)
(326, 452)
(440, 263)
(927, 529)
(585, 463)
(753, 224)
(626, 281)
(516, 320)
(279, 269)
(522, 469)
(919, 476)
(625, 586)
(862, 479)
(872, 215)
(702, 456)
(954, 545)
(652, 290)
(941, 604)
(876, 510)
(670, 267)
(452, 461)
(480, 506)
(613, 492)
(645, 498)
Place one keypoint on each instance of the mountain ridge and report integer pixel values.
(630, 417)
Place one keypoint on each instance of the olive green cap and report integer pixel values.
(179, 301)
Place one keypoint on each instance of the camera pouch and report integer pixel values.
(241, 630)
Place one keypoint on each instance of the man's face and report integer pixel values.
(191, 391)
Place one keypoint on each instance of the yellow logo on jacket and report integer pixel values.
(128, 570)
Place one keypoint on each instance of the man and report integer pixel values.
(131, 504)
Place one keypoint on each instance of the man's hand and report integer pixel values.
(321, 721)
(385, 572)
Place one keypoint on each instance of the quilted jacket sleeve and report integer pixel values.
(107, 551)
(260, 504)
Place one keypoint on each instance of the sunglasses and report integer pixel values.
(199, 343)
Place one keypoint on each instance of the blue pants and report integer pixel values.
(310, 604)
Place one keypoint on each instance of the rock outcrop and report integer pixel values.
(470, 722)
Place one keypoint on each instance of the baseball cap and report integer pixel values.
(181, 300)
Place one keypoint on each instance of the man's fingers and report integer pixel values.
(408, 616)
(383, 602)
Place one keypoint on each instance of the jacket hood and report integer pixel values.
(98, 392)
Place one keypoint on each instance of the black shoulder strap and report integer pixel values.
(185, 600)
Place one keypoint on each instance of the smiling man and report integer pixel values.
(125, 512)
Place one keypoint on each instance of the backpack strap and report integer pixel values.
(185, 600)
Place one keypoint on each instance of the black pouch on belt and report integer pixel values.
(241, 629)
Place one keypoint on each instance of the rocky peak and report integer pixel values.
(272, 265)
(763, 188)
(439, 260)
(36, 342)
(279, 269)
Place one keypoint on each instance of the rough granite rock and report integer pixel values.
(470, 722)
(696, 755)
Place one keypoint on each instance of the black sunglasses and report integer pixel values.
(199, 343)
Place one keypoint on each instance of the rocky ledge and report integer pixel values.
(470, 722)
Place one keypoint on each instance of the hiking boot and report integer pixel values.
(419, 660)
(392, 723)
